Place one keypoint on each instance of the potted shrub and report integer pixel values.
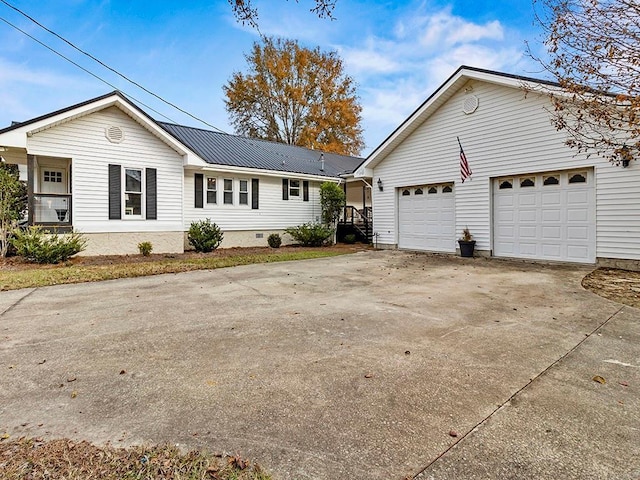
(467, 243)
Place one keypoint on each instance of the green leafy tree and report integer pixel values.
(296, 95)
(13, 203)
(332, 202)
(594, 54)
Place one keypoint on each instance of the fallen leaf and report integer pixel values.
(71, 379)
(453, 433)
(624, 384)
(43, 361)
(368, 375)
(599, 379)
(407, 352)
(74, 394)
(4, 436)
(122, 372)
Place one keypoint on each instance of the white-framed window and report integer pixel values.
(243, 198)
(133, 193)
(294, 188)
(212, 190)
(228, 191)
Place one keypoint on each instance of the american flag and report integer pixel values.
(465, 170)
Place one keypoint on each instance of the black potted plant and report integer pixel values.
(467, 243)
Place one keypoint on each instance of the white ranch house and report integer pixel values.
(107, 169)
(530, 195)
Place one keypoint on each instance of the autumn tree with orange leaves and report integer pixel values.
(594, 54)
(296, 95)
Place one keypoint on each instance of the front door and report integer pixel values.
(53, 180)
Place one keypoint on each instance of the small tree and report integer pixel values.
(594, 54)
(332, 201)
(13, 203)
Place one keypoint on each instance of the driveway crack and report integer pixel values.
(17, 302)
(419, 475)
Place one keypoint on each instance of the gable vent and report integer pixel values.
(114, 134)
(470, 104)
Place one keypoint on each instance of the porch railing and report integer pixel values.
(360, 220)
(52, 209)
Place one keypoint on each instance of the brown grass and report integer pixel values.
(36, 459)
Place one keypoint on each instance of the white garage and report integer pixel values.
(426, 218)
(549, 216)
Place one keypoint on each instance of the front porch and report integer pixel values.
(357, 215)
(49, 196)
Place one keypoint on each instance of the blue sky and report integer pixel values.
(397, 52)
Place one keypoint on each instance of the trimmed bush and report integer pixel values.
(310, 234)
(39, 247)
(205, 236)
(145, 248)
(274, 240)
(350, 238)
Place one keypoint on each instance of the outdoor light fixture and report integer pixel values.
(626, 156)
(380, 187)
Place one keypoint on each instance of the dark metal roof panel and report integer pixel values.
(232, 150)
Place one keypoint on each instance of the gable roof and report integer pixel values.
(211, 147)
(233, 150)
(443, 93)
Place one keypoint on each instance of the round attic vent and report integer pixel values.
(114, 134)
(470, 104)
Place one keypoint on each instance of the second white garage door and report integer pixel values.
(426, 218)
(547, 216)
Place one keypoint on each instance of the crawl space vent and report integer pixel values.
(470, 104)
(114, 134)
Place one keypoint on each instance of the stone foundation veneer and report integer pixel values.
(624, 264)
(127, 243)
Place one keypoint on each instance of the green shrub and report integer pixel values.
(39, 247)
(205, 236)
(310, 234)
(145, 248)
(350, 238)
(274, 240)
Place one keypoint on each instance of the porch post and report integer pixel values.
(364, 197)
(31, 163)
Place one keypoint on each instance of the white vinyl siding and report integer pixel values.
(509, 134)
(83, 140)
(273, 213)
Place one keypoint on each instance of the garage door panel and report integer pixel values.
(551, 215)
(427, 221)
(551, 198)
(554, 221)
(549, 232)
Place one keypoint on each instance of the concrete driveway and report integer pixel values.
(353, 367)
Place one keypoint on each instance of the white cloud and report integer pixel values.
(397, 69)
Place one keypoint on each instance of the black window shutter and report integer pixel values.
(255, 193)
(305, 190)
(285, 189)
(115, 192)
(199, 190)
(151, 194)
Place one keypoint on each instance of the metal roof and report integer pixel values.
(233, 150)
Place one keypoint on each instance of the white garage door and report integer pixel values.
(426, 218)
(548, 216)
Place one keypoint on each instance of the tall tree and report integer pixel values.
(297, 96)
(245, 12)
(594, 54)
